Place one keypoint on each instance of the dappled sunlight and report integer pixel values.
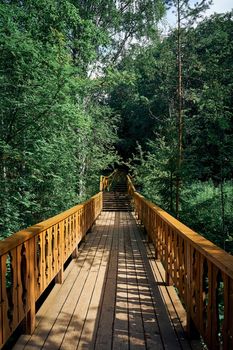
(110, 298)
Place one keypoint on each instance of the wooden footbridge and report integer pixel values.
(126, 277)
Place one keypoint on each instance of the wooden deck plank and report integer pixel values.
(120, 327)
(174, 306)
(68, 327)
(167, 332)
(151, 329)
(103, 336)
(112, 297)
(47, 323)
(89, 327)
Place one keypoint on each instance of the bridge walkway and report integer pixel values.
(113, 296)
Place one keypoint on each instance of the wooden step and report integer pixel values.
(116, 201)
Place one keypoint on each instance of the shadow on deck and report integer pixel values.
(113, 296)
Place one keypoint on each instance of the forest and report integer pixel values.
(86, 85)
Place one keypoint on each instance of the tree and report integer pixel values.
(47, 128)
(186, 17)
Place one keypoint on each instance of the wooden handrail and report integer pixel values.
(201, 272)
(105, 181)
(30, 259)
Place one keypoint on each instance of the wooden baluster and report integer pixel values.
(156, 235)
(4, 301)
(58, 247)
(74, 240)
(176, 260)
(188, 265)
(72, 243)
(54, 250)
(174, 270)
(170, 254)
(168, 279)
(190, 324)
(75, 229)
(220, 305)
(48, 257)
(61, 252)
(68, 235)
(72, 232)
(9, 293)
(42, 262)
(15, 289)
(37, 259)
(204, 297)
(196, 286)
(79, 226)
(22, 278)
(148, 230)
(31, 297)
(214, 341)
(161, 241)
(182, 278)
(83, 222)
(159, 236)
(228, 312)
(153, 228)
(64, 253)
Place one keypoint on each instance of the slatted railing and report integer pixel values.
(106, 181)
(201, 272)
(30, 259)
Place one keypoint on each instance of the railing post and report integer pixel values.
(31, 314)
(188, 291)
(190, 326)
(156, 235)
(101, 183)
(75, 253)
(168, 279)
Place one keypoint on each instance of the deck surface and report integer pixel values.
(113, 296)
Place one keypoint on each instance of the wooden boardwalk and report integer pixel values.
(113, 296)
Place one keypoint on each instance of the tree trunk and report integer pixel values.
(179, 113)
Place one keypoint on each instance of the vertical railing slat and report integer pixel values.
(35, 258)
(204, 281)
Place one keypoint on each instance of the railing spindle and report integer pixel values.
(30, 259)
(201, 272)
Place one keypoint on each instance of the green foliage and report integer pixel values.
(207, 106)
(53, 142)
(59, 128)
(202, 209)
(57, 133)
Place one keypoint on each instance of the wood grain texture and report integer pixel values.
(32, 258)
(110, 298)
(201, 272)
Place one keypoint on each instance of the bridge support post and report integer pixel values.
(60, 276)
(168, 279)
(75, 253)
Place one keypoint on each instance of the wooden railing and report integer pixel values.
(30, 259)
(106, 181)
(201, 272)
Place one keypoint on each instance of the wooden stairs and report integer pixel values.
(117, 199)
